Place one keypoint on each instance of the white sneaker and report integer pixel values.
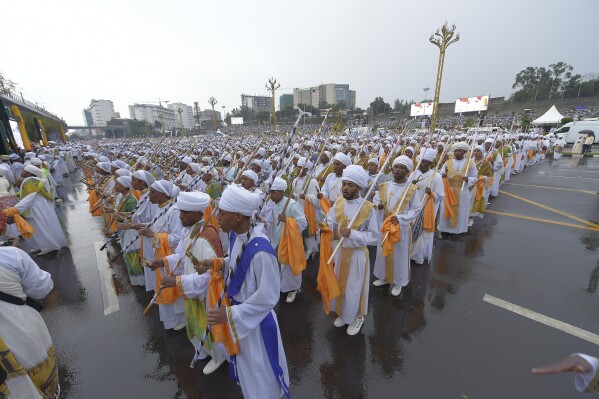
(34, 251)
(213, 365)
(470, 222)
(379, 283)
(42, 253)
(179, 327)
(291, 296)
(395, 290)
(354, 328)
(339, 322)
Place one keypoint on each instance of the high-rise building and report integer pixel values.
(285, 100)
(152, 113)
(329, 93)
(100, 112)
(257, 103)
(186, 115)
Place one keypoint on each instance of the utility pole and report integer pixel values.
(212, 101)
(180, 111)
(272, 85)
(442, 38)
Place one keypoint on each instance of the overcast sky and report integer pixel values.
(64, 53)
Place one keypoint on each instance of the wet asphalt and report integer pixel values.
(438, 339)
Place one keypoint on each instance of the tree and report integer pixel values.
(525, 121)
(379, 106)
(7, 86)
(558, 69)
(397, 105)
(469, 122)
(566, 120)
(341, 104)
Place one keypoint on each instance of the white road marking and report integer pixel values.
(573, 177)
(109, 297)
(548, 321)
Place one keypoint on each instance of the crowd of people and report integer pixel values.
(220, 229)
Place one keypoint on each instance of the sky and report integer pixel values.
(65, 53)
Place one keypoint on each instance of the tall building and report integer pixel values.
(257, 103)
(285, 100)
(329, 93)
(100, 112)
(152, 113)
(186, 115)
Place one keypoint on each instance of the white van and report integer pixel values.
(570, 131)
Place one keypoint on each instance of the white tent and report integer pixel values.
(550, 117)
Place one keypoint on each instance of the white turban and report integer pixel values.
(193, 201)
(405, 161)
(125, 181)
(304, 163)
(166, 187)
(257, 162)
(37, 172)
(105, 166)
(429, 154)
(123, 172)
(279, 184)
(186, 159)
(119, 164)
(239, 200)
(344, 159)
(489, 140)
(461, 146)
(410, 148)
(194, 166)
(356, 174)
(328, 154)
(480, 148)
(250, 174)
(104, 159)
(36, 161)
(374, 161)
(228, 158)
(261, 151)
(144, 176)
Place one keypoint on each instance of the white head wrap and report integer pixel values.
(194, 201)
(125, 181)
(279, 184)
(123, 172)
(429, 154)
(145, 176)
(374, 161)
(194, 166)
(410, 148)
(356, 174)
(461, 146)
(344, 159)
(238, 200)
(405, 161)
(37, 172)
(228, 157)
(186, 159)
(166, 187)
(36, 161)
(105, 166)
(250, 174)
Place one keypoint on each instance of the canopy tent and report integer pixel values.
(550, 117)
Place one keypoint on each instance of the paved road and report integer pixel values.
(439, 339)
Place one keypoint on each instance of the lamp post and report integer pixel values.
(212, 101)
(426, 89)
(272, 85)
(442, 38)
(223, 116)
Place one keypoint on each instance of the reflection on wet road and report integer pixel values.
(438, 339)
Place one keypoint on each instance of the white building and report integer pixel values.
(101, 112)
(152, 113)
(330, 93)
(186, 115)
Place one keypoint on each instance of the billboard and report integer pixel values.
(237, 120)
(421, 109)
(472, 104)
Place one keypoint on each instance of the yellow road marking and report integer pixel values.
(514, 215)
(594, 225)
(553, 188)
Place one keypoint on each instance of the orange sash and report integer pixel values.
(394, 235)
(327, 283)
(429, 214)
(480, 187)
(210, 217)
(23, 226)
(325, 205)
(94, 202)
(450, 199)
(168, 295)
(311, 216)
(291, 247)
(220, 332)
(136, 194)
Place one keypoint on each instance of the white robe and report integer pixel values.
(311, 195)
(423, 247)
(332, 187)
(48, 235)
(358, 280)
(257, 297)
(464, 209)
(401, 249)
(21, 327)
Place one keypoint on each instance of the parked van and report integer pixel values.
(570, 131)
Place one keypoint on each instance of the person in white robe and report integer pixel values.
(275, 216)
(352, 306)
(458, 170)
(496, 161)
(36, 206)
(429, 182)
(27, 354)
(195, 245)
(254, 288)
(163, 193)
(399, 197)
(306, 188)
(332, 184)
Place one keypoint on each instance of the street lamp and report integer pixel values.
(223, 116)
(442, 38)
(426, 89)
(212, 101)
